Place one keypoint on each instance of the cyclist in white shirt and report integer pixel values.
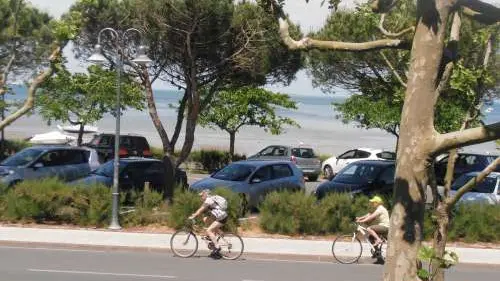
(380, 219)
(217, 206)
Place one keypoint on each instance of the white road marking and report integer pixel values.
(51, 249)
(102, 273)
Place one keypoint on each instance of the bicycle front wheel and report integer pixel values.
(347, 249)
(231, 246)
(184, 244)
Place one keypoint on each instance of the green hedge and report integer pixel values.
(475, 222)
(51, 200)
(299, 213)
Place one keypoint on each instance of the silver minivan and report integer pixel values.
(302, 156)
(64, 162)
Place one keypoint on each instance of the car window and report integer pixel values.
(387, 175)
(268, 151)
(53, 158)
(348, 155)
(486, 186)
(281, 171)
(362, 154)
(303, 152)
(279, 151)
(466, 160)
(263, 173)
(22, 158)
(74, 157)
(358, 173)
(156, 168)
(126, 142)
(387, 155)
(106, 140)
(234, 172)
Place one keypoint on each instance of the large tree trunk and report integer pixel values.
(417, 142)
(232, 137)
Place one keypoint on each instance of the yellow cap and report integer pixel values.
(377, 199)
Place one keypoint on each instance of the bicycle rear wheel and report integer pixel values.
(184, 244)
(347, 249)
(231, 246)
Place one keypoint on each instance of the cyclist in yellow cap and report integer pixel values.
(379, 219)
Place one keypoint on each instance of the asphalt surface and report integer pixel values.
(42, 264)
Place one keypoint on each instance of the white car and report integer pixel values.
(487, 192)
(333, 165)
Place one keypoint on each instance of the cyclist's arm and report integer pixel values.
(199, 211)
(368, 217)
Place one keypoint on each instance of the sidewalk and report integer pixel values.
(268, 246)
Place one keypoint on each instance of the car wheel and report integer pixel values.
(328, 172)
(313, 177)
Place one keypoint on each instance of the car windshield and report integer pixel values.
(106, 169)
(22, 158)
(234, 172)
(487, 186)
(358, 173)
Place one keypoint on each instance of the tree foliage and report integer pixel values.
(378, 95)
(201, 47)
(247, 106)
(83, 99)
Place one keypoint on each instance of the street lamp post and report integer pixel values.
(98, 57)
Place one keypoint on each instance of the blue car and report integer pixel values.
(255, 179)
(362, 177)
(64, 162)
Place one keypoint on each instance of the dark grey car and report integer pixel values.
(65, 162)
(303, 157)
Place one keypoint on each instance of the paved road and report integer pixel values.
(310, 186)
(44, 264)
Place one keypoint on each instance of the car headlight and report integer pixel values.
(6, 173)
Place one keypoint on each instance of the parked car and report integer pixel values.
(134, 173)
(130, 146)
(333, 165)
(465, 163)
(362, 177)
(487, 191)
(65, 162)
(302, 156)
(254, 179)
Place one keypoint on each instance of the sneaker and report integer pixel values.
(216, 254)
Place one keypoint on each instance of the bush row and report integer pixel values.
(51, 201)
(297, 213)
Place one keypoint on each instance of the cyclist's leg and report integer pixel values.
(372, 230)
(212, 230)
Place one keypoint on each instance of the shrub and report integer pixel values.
(157, 153)
(476, 223)
(149, 207)
(323, 157)
(290, 213)
(185, 204)
(52, 200)
(337, 213)
(213, 160)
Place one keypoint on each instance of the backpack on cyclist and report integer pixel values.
(220, 201)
